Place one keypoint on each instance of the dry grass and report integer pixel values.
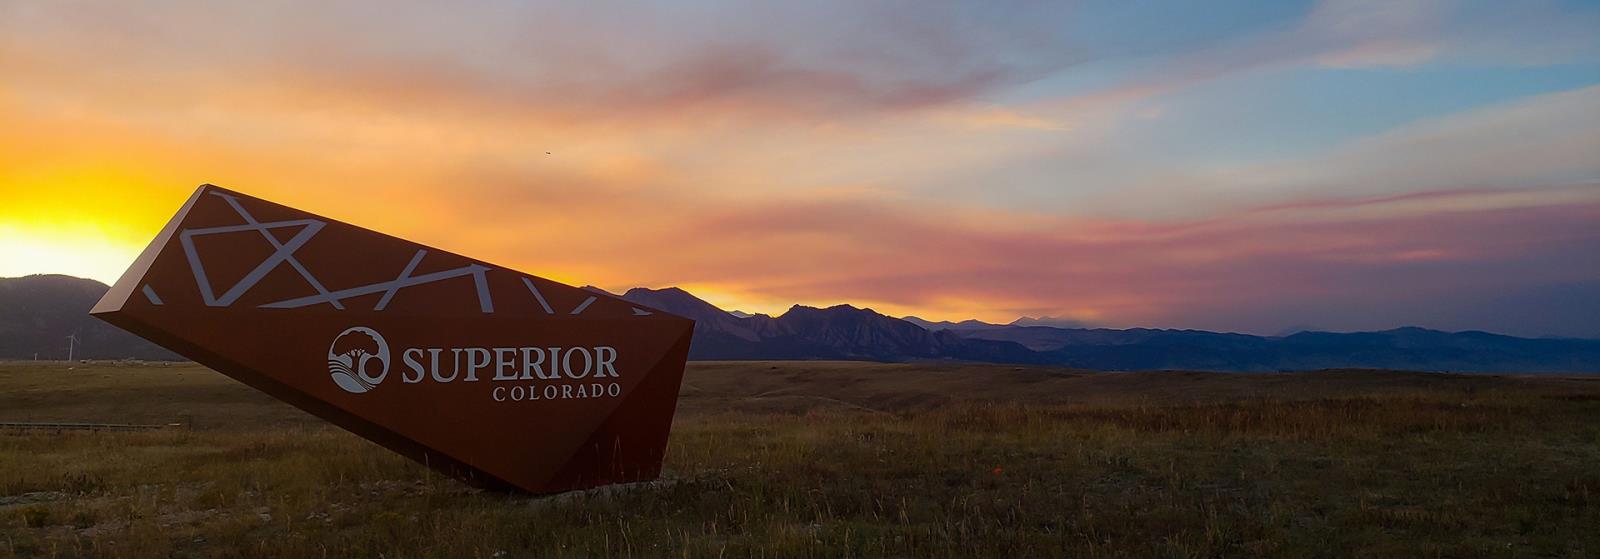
(828, 459)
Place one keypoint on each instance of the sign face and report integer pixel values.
(502, 379)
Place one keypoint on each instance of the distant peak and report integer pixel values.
(676, 301)
(836, 310)
(1052, 321)
(673, 293)
(968, 324)
(664, 290)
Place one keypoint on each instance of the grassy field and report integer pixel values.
(803, 459)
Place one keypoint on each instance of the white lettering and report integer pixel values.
(505, 362)
(530, 365)
(412, 362)
(474, 362)
(455, 366)
(588, 362)
(555, 364)
(562, 365)
(605, 357)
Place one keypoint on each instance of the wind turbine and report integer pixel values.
(72, 341)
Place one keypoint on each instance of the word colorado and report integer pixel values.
(516, 364)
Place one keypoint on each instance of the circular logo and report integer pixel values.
(358, 359)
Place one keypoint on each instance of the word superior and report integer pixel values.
(509, 363)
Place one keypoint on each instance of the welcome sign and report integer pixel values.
(500, 378)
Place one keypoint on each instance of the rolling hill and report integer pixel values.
(38, 312)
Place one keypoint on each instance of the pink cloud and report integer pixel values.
(918, 258)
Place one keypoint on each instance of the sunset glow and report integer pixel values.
(1299, 165)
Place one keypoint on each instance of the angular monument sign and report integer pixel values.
(502, 379)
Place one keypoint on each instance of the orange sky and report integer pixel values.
(962, 176)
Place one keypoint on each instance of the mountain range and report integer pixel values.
(846, 332)
(38, 312)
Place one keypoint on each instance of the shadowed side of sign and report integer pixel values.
(502, 379)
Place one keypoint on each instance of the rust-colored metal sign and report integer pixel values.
(502, 379)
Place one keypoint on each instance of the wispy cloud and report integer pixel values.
(1350, 34)
(1546, 140)
(600, 62)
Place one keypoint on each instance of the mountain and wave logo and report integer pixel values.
(358, 359)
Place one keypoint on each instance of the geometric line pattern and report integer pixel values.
(584, 305)
(538, 296)
(485, 303)
(150, 294)
(283, 253)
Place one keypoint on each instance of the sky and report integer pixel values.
(1257, 167)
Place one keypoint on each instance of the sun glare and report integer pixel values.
(84, 251)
